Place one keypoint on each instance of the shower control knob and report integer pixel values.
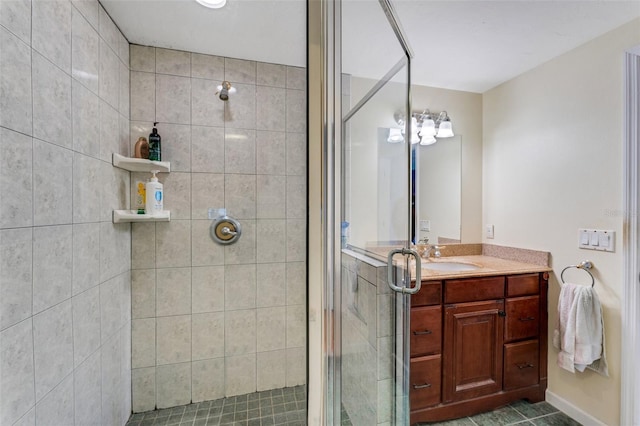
(225, 230)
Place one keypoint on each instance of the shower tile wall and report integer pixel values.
(211, 321)
(65, 322)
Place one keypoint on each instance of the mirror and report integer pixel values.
(375, 193)
(438, 174)
(371, 159)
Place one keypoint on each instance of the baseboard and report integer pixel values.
(571, 410)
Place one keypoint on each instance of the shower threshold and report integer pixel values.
(286, 406)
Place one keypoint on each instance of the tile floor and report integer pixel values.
(287, 406)
(519, 413)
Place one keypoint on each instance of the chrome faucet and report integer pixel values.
(422, 247)
(425, 249)
(436, 251)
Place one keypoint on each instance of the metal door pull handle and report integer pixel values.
(391, 270)
(523, 366)
(426, 385)
(527, 319)
(418, 333)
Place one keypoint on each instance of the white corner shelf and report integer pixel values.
(140, 164)
(123, 216)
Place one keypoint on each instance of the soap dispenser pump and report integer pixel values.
(154, 144)
(154, 196)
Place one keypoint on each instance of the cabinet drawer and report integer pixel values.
(522, 285)
(472, 289)
(424, 382)
(426, 330)
(521, 364)
(430, 294)
(523, 318)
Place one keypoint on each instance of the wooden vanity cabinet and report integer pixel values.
(492, 348)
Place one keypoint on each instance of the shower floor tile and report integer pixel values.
(287, 406)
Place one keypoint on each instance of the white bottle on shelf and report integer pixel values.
(154, 195)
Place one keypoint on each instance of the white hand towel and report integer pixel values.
(579, 331)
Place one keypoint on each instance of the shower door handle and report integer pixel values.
(390, 274)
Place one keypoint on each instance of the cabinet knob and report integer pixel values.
(423, 386)
(419, 333)
(502, 313)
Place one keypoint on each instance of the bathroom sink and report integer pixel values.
(449, 266)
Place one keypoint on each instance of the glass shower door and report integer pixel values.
(376, 215)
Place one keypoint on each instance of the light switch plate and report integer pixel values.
(488, 229)
(425, 225)
(596, 239)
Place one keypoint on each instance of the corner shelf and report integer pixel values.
(140, 164)
(123, 216)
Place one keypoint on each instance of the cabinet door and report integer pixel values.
(522, 285)
(473, 353)
(430, 294)
(521, 364)
(472, 289)
(424, 385)
(523, 318)
(426, 330)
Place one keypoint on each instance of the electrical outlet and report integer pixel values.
(488, 230)
(425, 225)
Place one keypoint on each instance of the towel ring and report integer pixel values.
(585, 265)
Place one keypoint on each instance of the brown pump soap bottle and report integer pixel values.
(141, 149)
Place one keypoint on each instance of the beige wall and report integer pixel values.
(552, 160)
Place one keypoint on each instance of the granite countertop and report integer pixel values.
(487, 265)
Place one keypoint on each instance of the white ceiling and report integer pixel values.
(463, 45)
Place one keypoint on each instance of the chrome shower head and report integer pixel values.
(224, 90)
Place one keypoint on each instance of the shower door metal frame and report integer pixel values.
(331, 150)
(630, 382)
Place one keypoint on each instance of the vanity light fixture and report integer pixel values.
(395, 135)
(425, 127)
(428, 140)
(445, 130)
(212, 4)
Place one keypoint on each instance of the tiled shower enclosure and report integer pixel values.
(212, 321)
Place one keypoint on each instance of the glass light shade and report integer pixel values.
(428, 128)
(414, 137)
(395, 136)
(445, 130)
(212, 4)
(427, 140)
(414, 131)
